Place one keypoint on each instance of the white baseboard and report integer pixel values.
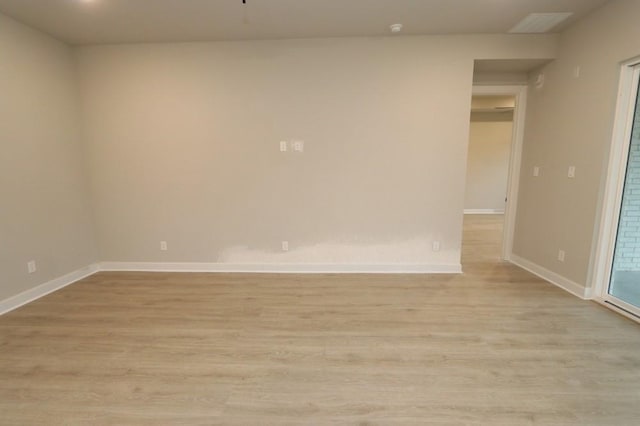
(484, 211)
(282, 268)
(32, 294)
(550, 276)
(588, 294)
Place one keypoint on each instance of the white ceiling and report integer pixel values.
(127, 21)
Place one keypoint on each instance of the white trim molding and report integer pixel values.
(552, 277)
(484, 211)
(279, 268)
(42, 290)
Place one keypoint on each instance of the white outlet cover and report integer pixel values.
(298, 145)
(561, 255)
(285, 246)
(163, 246)
(283, 146)
(536, 171)
(436, 246)
(572, 172)
(31, 266)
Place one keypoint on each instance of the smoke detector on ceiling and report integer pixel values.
(396, 28)
(537, 23)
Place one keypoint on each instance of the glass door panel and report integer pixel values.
(625, 276)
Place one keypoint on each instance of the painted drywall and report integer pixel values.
(183, 143)
(45, 214)
(569, 123)
(500, 78)
(490, 138)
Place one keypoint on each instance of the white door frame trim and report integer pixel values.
(616, 174)
(515, 158)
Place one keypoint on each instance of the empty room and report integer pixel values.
(284, 212)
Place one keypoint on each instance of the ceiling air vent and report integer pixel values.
(540, 22)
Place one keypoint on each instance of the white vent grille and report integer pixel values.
(540, 22)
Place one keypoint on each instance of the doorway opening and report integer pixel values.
(490, 140)
(493, 170)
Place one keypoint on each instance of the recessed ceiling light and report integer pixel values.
(396, 28)
(540, 22)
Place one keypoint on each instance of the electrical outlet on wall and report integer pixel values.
(572, 172)
(561, 255)
(285, 246)
(284, 146)
(536, 171)
(31, 266)
(298, 145)
(164, 246)
(436, 246)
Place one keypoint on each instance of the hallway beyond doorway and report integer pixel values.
(482, 239)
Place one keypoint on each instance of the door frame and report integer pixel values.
(515, 157)
(614, 187)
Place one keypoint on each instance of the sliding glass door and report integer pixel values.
(624, 284)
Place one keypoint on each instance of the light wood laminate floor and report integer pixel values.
(493, 346)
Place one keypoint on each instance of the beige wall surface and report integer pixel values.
(500, 78)
(183, 143)
(488, 162)
(45, 214)
(570, 123)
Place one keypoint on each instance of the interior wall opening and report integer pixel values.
(489, 153)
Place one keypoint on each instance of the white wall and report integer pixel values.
(45, 214)
(490, 138)
(183, 147)
(569, 123)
